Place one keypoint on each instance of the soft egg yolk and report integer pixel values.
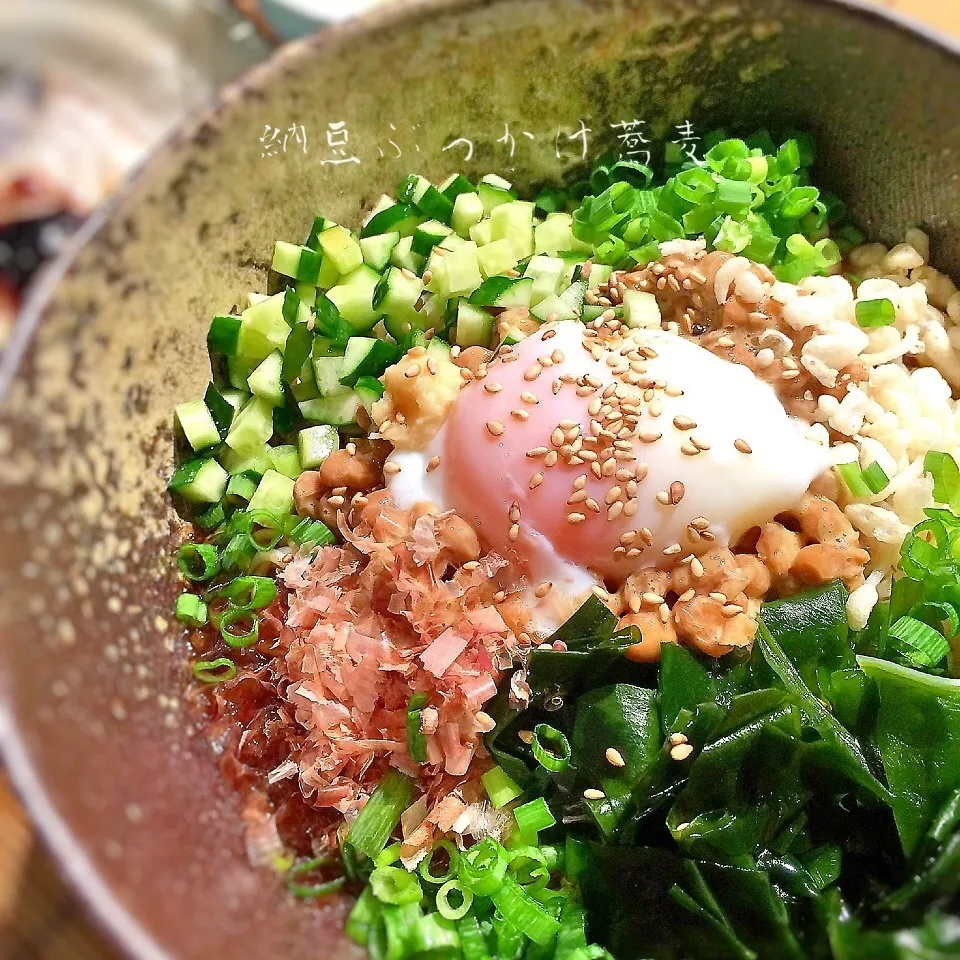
(617, 452)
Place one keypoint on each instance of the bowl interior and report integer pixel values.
(92, 666)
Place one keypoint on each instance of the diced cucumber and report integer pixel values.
(252, 428)
(467, 211)
(555, 306)
(221, 407)
(319, 225)
(401, 218)
(397, 295)
(492, 196)
(236, 398)
(326, 372)
(353, 297)
(452, 241)
(428, 235)
(266, 320)
(474, 325)
(573, 295)
(514, 222)
(239, 368)
(481, 233)
(274, 494)
(307, 293)
(503, 292)
(366, 357)
(404, 257)
(301, 263)
(223, 335)
(431, 202)
(497, 257)
(339, 409)
(234, 463)
(198, 424)
(329, 274)
(315, 444)
(439, 349)
(640, 309)
(455, 185)
(266, 382)
(369, 391)
(511, 336)
(462, 271)
(341, 248)
(286, 460)
(241, 488)
(253, 298)
(377, 249)
(599, 275)
(492, 180)
(592, 312)
(199, 481)
(546, 273)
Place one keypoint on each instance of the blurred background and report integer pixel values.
(87, 89)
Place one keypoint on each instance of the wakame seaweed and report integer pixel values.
(810, 811)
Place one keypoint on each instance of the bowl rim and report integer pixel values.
(101, 906)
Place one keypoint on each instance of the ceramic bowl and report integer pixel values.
(123, 787)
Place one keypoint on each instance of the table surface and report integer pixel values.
(39, 918)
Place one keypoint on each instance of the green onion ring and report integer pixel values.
(551, 748)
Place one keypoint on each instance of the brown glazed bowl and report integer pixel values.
(123, 788)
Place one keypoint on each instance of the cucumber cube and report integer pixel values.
(326, 371)
(235, 463)
(640, 309)
(265, 382)
(377, 249)
(481, 233)
(341, 249)
(403, 256)
(285, 460)
(474, 325)
(554, 307)
(496, 257)
(295, 261)
(514, 221)
(252, 428)
(353, 297)
(339, 409)
(467, 211)
(241, 488)
(198, 424)
(315, 444)
(200, 481)
(462, 270)
(274, 494)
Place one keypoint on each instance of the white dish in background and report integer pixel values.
(294, 18)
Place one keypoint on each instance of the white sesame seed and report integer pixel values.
(592, 794)
(614, 757)
(495, 428)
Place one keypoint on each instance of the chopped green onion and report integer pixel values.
(853, 477)
(433, 935)
(395, 886)
(363, 918)
(575, 859)
(313, 891)
(523, 913)
(416, 741)
(198, 561)
(447, 910)
(918, 642)
(371, 830)
(534, 816)
(943, 617)
(483, 867)
(875, 477)
(215, 671)
(875, 313)
(266, 522)
(312, 533)
(551, 748)
(500, 788)
(528, 866)
(191, 610)
(248, 593)
(472, 941)
(239, 628)
(946, 476)
(389, 856)
(454, 862)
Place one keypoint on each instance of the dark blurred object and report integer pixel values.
(87, 87)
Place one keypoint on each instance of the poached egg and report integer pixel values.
(586, 453)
